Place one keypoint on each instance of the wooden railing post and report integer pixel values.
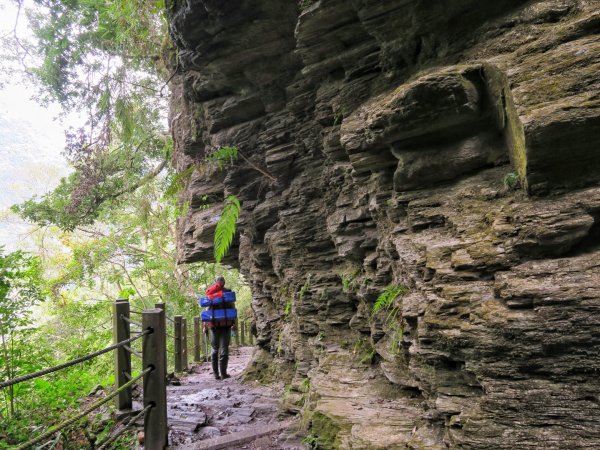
(163, 306)
(243, 333)
(205, 344)
(250, 337)
(184, 344)
(197, 339)
(155, 388)
(121, 332)
(237, 334)
(177, 337)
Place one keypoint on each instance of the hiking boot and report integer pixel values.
(223, 367)
(215, 366)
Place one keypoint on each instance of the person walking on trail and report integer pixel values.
(220, 333)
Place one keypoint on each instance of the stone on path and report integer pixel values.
(205, 413)
(241, 437)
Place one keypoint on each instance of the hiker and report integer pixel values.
(220, 332)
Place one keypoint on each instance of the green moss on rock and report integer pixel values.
(326, 431)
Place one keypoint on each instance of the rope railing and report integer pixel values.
(84, 413)
(51, 444)
(132, 351)
(153, 356)
(131, 322)
(49, 370)
(104, 445)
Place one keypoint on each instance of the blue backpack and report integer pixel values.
(219, 308)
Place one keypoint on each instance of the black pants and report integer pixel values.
(219, 341)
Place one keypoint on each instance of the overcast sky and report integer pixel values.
(31, 142)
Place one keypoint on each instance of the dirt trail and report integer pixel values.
(205, 413)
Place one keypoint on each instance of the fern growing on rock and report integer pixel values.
(385, 301)
(226, 227)
(223, 156)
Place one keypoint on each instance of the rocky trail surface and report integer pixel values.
(205, 413)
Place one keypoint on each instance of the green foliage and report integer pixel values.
(305, 287)
(385, 300)
(349, 278)
(133, 248)
(100, 59)
(303, 4)
(396, 334)
(364, 351)
(288, 309)
(223, 156)
(368, 358)
(77, 39)
(226, 226)
(102, 183)
(511, 181)
(337, 120)
(177, 181)
(70, 330)
(126, 292)
(109, 225)
(312, 441)
(20, 290)
(324, 432)
(305, 385)
(133, 251)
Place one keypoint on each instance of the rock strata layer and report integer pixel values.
(436, 161)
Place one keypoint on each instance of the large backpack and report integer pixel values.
(220, 311)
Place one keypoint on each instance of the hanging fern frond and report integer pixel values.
(226, 227)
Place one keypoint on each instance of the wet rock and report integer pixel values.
(446, 147)
(210, 408)
(188, 423)
(209, 432)
(96, 390)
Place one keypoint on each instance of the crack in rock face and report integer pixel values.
(420, 188)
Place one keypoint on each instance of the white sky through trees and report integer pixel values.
(31, 142)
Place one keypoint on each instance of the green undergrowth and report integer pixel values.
(50, 400)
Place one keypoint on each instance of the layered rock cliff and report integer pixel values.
(437, 159)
